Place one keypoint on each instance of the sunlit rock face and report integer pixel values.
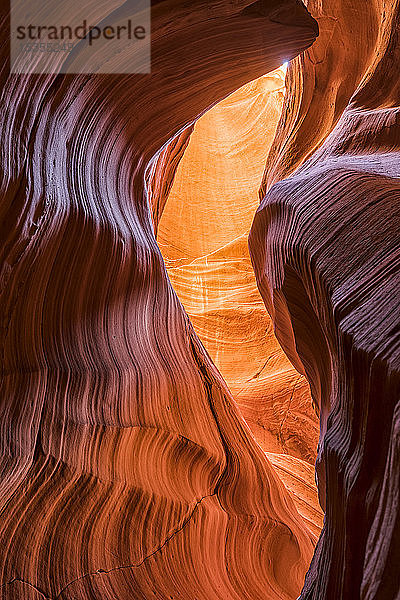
(202, 235)
(127, 471)
(325, 249)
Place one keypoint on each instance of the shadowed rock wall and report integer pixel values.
(126, 469)
(325, 248)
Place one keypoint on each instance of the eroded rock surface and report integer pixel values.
(325, 248)
(126, 469)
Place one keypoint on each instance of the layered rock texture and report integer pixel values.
(127, 471)
(325, 248)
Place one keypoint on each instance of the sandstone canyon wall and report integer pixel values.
(127, 471)
(325, 248)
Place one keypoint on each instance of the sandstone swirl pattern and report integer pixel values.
(325, 248)
(126, 470)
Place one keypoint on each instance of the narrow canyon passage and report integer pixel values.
(203, 237)
(155, 441)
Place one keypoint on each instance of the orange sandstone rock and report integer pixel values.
(127, 470)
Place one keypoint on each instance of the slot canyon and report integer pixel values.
(200, 340)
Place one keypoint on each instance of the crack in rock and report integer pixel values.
(177, 530)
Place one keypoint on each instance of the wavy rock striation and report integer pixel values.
(126, 469)
(325, 248)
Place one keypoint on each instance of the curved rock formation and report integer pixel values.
(126, 469)
(325, 249)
